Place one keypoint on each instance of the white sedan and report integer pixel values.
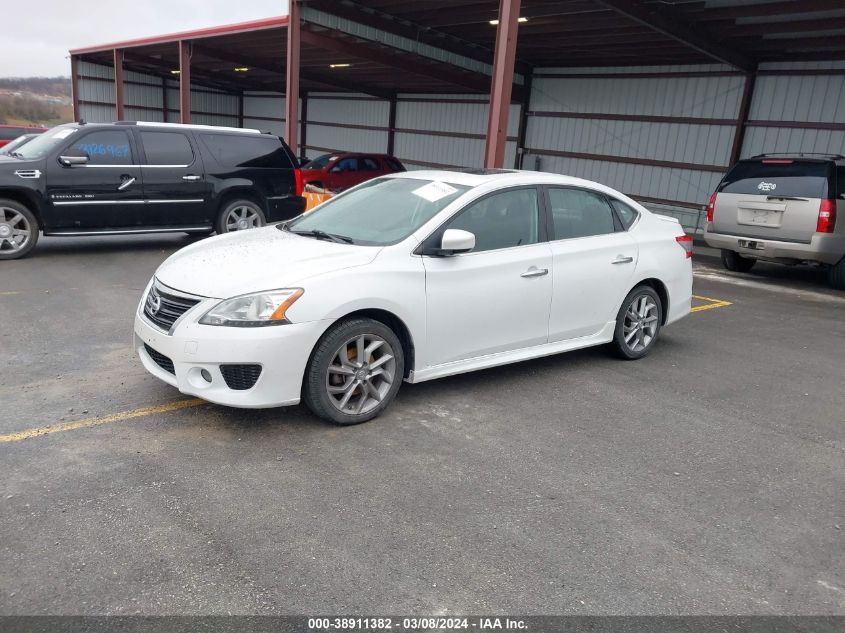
(412, 276)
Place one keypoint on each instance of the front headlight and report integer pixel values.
(255, 310)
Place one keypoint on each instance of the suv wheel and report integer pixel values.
(638, 323)
(18, 230)
(239, 215)
(736, 262)
(836, 275)
(354, 373)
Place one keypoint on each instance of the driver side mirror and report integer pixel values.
(455, 242)
(74, 157)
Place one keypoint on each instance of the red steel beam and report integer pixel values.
(742, 117)
(74, 85)
(292, 77)
(184, 82)
(118, 85)
(502, 83)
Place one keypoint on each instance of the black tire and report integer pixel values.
(15, 217)
(318, 379)
(241, 206)
(836, 275)
(736, 262)
(626, 350)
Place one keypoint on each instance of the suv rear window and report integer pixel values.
(230, 150)
(777, 177)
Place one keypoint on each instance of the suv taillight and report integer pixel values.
(686, 243)
(827, 217)
(297, 176)
(711, 206)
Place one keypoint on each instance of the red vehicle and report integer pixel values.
(11, 132)
(340, 171)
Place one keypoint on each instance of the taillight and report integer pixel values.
(297, 176)
(827, 217)
(711, 206)
(686, 243)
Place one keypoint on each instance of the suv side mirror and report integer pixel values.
(456, 241)
(74, 157)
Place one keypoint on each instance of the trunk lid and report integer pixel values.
(775, 199)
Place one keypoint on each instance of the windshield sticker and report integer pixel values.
(64, 133)
(767, 186)
(433, 191)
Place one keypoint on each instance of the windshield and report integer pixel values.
(319, 162)
(381, 211)
(12, 146)
(42, 145)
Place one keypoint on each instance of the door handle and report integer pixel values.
(622, 260)
(191, 177)
(535, 272)
(127, 182)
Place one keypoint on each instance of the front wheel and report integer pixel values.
(737, 263)
(354, 373)
(638, 323)
(239, 215)
(19, 230)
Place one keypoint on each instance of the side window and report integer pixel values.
(346, 164)
(241, 150)
(840, 179)
(502, 220)
(106, 147)
(394, 164)
(626, 214)
(11, 133)
(579, 213)
(368, 164)
(167, 148)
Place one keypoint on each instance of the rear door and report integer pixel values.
(773, 198)
(105, 193)
(175, 187)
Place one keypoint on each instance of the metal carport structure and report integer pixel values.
(654, 98)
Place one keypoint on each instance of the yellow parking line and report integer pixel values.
(106, 419)
(712, 303)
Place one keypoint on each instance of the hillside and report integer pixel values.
(35, 100)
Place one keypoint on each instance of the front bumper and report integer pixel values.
(826, 248)
(282, 351)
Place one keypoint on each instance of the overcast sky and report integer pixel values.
(36, 35)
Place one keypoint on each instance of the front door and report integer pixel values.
(594, 262)
(496, 297)
(105, 193)
(175, 186)
(344, 174)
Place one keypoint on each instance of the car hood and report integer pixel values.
(255, 260)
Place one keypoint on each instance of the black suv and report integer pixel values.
(126, 177)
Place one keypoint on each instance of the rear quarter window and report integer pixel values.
(230, 150)
(806, 179)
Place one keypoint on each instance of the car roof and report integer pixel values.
(478, 177)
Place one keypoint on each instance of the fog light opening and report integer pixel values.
(206, 375)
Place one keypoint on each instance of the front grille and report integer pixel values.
(163, 308)
(240, 377)
(160, 359)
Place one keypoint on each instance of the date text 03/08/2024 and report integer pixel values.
(418, 623)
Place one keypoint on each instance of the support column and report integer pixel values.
(525, 108)
(241, 109)
(184, 82)
(502, 83)
(742, 117)
(74, 85)
(164, 111)
(391, 126)
(292, 78)
(303, 125)
(118, 85)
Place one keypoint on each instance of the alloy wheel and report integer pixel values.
(360, 374)
(243, 217)
(640, 325)
(15, 230)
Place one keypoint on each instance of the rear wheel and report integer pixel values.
(19, 230)
(239, 215)
(736, 262)
(836, 275)
(354, 373)
(638, 323)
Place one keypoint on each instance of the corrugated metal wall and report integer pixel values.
(816, 102)
(353, 122)
(640, 130)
